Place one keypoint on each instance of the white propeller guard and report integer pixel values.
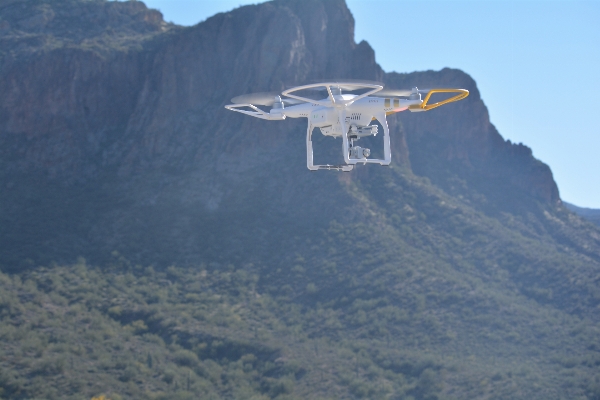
(257, 113)
(332, 101)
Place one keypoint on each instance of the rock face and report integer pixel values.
(57, 89)
(462, 139)
(70, 80)
(112, 122)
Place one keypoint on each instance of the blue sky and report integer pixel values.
(536, 64)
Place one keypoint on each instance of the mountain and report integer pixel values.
(216, 265)
(590, 214)
(136, 120)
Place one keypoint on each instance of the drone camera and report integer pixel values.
(358, 152)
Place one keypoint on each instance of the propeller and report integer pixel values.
(400, 92)
(263, 99)
(344, 84)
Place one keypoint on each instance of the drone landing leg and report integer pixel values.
(387, 152)
(309, 156)
(345, 140)
(309, 149)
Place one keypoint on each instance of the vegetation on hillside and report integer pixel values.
(430, 300)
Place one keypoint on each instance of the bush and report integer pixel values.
(186, 358)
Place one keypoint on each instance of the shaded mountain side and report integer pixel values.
(460, 143)
(165, 174)
(167, 133)
(71, 75)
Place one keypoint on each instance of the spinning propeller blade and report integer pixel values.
(350, 84)
(262, 99)
(345, 84)
(399, 92)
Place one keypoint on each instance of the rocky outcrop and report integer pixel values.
(458, 141)
(88, 85)
(79, 100)
(71, 74)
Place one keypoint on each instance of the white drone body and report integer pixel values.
(348, 116)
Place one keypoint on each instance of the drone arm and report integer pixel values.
(258, 113)
(330, 94)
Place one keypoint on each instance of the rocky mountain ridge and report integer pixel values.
(167, 86)
(283, 45)
(591, 214)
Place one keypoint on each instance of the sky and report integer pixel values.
(535, 62)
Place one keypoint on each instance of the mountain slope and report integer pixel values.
(455, 273)
(590, 214)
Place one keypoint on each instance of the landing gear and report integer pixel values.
(309, 156)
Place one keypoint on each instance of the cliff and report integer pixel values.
(168, 84)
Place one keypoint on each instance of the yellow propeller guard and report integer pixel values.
(462, 93)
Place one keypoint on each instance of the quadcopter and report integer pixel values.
(348, 116)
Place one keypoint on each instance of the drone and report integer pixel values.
(347, 115)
